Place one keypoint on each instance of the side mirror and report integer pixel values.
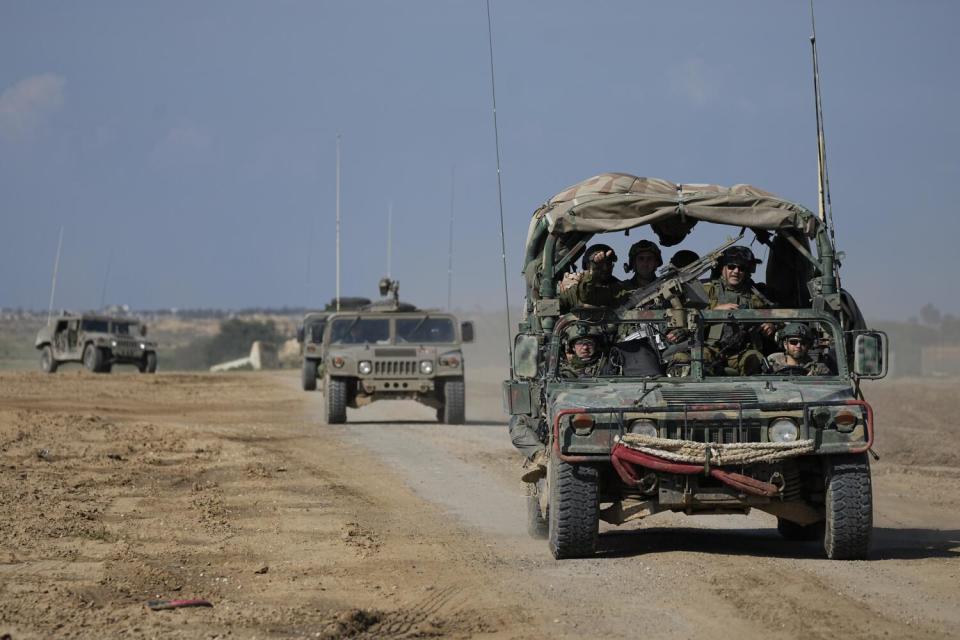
(526, 352)
(870, 354)
(143, 330)
(466, 332)
(300, 333)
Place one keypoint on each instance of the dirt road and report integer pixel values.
(125, 488)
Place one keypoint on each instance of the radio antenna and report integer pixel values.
(496, 136)
(338, 222)
(389, 237)
(450, 243)
(106, 279)
(56, 267)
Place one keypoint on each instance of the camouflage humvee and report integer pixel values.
(391, 350)
(98, 341)
(642, 436)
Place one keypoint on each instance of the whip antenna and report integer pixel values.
(106, 278)
(56, 267)
(338, 222)
(823, 183)
(389, 238)
(496, 136)
(450, 244)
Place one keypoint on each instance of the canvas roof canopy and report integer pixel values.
(619, 201)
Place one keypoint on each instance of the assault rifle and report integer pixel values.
(678, 288)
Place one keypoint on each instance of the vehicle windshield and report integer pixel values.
(91, 325)
(425, 329)
(315, 331)
(731, 347)
(360, 331)
(125, 328)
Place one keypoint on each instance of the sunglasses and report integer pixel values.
(734, 267)
(794, 342)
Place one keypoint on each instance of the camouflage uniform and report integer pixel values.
(813, 367)
(590, 288)
(726, 345)
(574, 367)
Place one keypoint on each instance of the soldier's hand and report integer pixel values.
(602, 256)
(727, 306)
(768, 329)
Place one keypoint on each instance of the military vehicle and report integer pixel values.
(310, 337)
(642, 436)
(390, 350)
(99, 341)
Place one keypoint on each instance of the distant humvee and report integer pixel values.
(98, 341)
(390, 350)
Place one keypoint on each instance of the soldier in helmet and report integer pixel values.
(585, 353)
(595, 286)
(731, 346)
(644, 259)
(796, 338)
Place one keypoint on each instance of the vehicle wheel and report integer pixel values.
(440, 415)
(309, 377)
(849, 507)
(794, 532)
(48, 364)
(106, 368)
(335, 400)
(537, 525)
(151, 362)
(573, 514)
(453, 402)
(92, 358)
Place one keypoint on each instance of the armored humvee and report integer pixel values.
(98, 341)
(390, 350)
(642, 436)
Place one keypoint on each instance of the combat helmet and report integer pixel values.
(795, 330)
(641, 246)
(740, 255)
(596, 248)
(579, 330)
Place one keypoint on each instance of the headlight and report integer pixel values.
(365, 367)
(783, 430)
(113, 343)
(143, 346)
(451, 359)
(644, 427)
(338, 362)
(426, 367)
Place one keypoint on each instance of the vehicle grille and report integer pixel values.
(395, 368)
(750, 431)
(698, 396)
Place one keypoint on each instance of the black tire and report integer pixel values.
(849, 507)
(106, 368)
(308, 376)
(335, 400)
(92, 358)
(454, 411)
(151, 362)
(48, 364)
(794, 532)
(440, 415)
(537, 525)
(573, 514)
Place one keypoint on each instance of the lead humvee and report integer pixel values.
(644, 435)
(390, 350)
(98, 341)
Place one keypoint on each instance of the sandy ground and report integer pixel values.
(125, 488)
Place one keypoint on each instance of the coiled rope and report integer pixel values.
(713, 454)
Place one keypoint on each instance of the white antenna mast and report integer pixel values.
(450, 245)
(389, 238)
(338, 222)
(56, 267)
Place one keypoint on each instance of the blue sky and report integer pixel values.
(192, 145)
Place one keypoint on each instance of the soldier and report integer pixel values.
(796, 339)
(595, 286)
(585, 357)
(729, 345)
(644, 259)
